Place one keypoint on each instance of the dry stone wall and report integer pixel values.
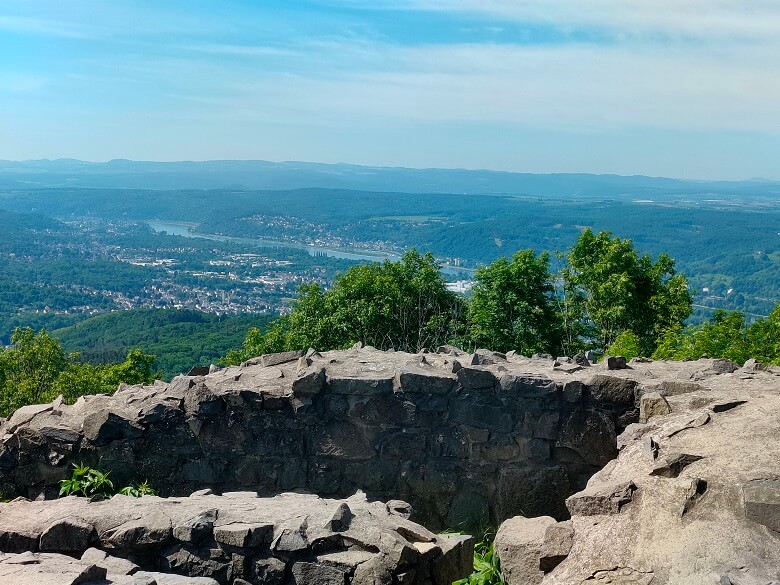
(236, 538)
(465, 438)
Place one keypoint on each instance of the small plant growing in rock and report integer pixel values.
(91, 483)
(486, 566)
(87, 482)
(143, 489)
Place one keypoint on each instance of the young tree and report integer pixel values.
(763, 337)
(725, 335)
(35, 370)
(627, 344)
(513, 306)
(617, 290)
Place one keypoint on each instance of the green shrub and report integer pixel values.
(87, 482)
(627, 344)
(91, 483)
(35, 369)
(143, 489)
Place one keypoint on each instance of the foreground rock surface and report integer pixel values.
(231, 539)
(692, 498)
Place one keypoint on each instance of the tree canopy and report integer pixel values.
(726, 335)
(513, 306)
(403, 305)
(604, 289)
(35, 369)
(614, 289)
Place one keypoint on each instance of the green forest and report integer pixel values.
(180, 339)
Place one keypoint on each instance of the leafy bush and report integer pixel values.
(87, 482)
(726, 335)
(142, 489)
(627, 345)
(403, 305)
(91, 483)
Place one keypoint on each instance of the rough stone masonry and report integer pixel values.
(236, 538)
(467, 439)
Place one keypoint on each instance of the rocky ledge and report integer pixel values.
(236, 538)
(465, 438)
(692, 498)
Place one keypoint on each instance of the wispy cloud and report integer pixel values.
(700, 18)
(242, 50)
(343, 66)
(38, 26)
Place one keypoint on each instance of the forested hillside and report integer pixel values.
(179, 339)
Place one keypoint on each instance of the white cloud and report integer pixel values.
(571, 86)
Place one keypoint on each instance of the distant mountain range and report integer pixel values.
(264, 175)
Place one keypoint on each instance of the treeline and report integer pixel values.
(180, 338)
(602, 289)
(726, 335)
(35, 369)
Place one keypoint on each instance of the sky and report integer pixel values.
(680, 88)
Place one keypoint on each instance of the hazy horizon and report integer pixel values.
(671, 89)
(387, 167)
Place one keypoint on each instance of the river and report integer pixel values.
(180, 228)
(186, 229)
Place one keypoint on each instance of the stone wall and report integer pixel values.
(236, 538)
(466, 439)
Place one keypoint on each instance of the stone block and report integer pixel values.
(527, 386)
(475, 378)
(518, 545)
(417, 379)
(360, 386)
(197, 528)
(556, 545)
(105, 426)
(243, 534)
(617, 362)
(652, 404)
(762, 502)
(612, 389)
(341, 440)
(69, 534)
(591, 434)
(594, 501)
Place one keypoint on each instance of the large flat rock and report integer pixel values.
(693, 495)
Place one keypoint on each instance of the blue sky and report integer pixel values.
(684, 88)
